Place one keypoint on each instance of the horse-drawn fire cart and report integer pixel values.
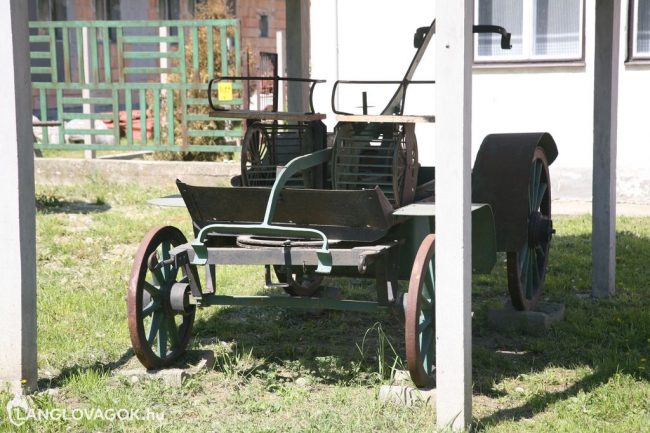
(361, 207)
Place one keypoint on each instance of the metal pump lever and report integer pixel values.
(488, 28)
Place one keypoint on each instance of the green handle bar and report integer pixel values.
(266, 228)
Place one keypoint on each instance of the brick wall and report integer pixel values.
(249, 13)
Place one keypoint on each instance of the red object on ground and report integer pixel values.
(137, 124)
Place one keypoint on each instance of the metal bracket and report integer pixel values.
(268, 282)
(211, 279)
(387, 276)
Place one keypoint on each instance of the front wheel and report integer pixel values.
(160, 318)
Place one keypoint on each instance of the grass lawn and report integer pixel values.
(288, 370)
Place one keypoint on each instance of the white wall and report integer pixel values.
(375, 42)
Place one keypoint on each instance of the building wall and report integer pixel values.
(505, 99)
(249, 13)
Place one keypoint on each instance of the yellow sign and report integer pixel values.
(224, 90)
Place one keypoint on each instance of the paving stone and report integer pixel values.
(401, 377)
(407, 395)
(536, 322)
(171, 376)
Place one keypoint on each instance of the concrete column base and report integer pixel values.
(536, 322)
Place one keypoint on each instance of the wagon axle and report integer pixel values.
(540, 229)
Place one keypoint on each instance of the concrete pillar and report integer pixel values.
(605, 130)
(85, 93)
(297, 53)
(17, 221)
(453, 109)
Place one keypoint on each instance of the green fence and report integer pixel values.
(101, 85)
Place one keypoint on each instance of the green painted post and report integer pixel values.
(53, 62)
(106, 45)
(209, 29)
(128, 101)
(59, 115)
(184, 136)
(92, 42)
(224, 51)
(181, 49)
(42, 95)
(155, 94)
(80, 54)
(120, 53)
(66, 55)
(143, 117)
(195, 55)
(237, 52)
(170, 117)
(116, 116)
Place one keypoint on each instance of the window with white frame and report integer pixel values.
(640, 29)
(542, 30)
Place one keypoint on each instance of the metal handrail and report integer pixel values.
(275, 80)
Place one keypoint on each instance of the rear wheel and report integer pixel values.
(257, 168)
(419, 326)
(527, 267)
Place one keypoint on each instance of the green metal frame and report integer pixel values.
(117, 83)
(266, 228)
(291, 302)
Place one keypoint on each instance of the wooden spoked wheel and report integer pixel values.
(257, 168)
(301, 282)
(527, 267)
(419, 326)
(159, 332)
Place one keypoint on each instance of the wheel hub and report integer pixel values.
(540, 229)
(179, 298)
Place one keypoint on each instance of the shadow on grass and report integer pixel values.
(609, 336)
(58, 380)
(50, 204)
(334, 347)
